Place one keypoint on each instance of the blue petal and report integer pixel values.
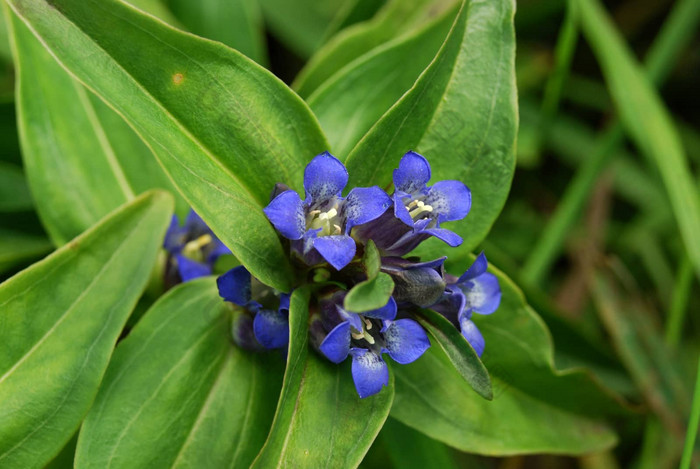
(451, 238)
(400, 210)
(175, 236)
(451, 304)
(483, 293)
(286, 213)
(234, 286)
(325, 177)
(477, 268)
(336, 345)
(271, 328)
(451, 200)
(412, 174)
(406, 340)
(195, 226)
(364, 204)
(472, 334)
(369, 372)
(337, 250)
(388, 311)
(190, 270)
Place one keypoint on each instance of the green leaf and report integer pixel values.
(17, 247)
(301, 25)
(379, 79)
(369, 294)
(177, 392)
(60, 320)
(371, 260)
(409, 449)
(461, 115)
(395, 20)
(225, 129)
(236, 23)
(647, 121)
(535, 408)
(14, 193)
(460, 353)
(320, 420)
(82, 160)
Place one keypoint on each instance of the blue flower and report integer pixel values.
(269, 310)
(476, 291)
(365, 337)
(193, 248)
(320, 225)
(418, 209)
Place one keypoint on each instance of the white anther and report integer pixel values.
(357, 335)
(368, 323)
(337, 229)
(314, 212)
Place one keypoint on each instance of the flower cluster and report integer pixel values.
(327, 235)
(192, 248)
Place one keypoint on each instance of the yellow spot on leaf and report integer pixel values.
(178, 78)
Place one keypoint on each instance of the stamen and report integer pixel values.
(368, 323)
(420, 209)
(357, 335)
(313, 213)
(369, 339)
(337, 229)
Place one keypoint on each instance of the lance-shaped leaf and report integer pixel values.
(236, 23)
(225, 129)
(458, 351)
(535, 408)
(460, 114)
(348, 104)
(59, 321)
(178, 393)
(396, 19)
(82, 160)
(320, 419)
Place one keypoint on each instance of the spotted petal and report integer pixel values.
(405, 339)
(271, 328)
(234, 286)
(325, 177)
(369, 372)
(483, 293)
(337, 250)
(286, 213)
(336, 345)
(451, 200)
(412, 174)
(190, 270)
(364, 204)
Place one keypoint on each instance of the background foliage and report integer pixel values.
(592, 354)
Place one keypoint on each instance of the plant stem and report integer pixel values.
(693, 423)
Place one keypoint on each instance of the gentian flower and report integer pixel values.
(418, 209)
(365, 337)
(476, 291)
(268, 310)
(320, 225)
(193, 249)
